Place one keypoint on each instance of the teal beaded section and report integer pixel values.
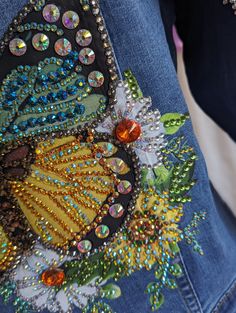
(49, 97)
(41, 27)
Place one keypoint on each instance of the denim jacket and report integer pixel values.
(208, 282)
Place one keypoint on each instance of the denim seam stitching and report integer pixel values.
(111, 43)
(225, 298)
(196, 307)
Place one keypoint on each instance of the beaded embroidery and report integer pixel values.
(94, 182)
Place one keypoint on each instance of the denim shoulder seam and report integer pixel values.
(187, 290)
(226, 296)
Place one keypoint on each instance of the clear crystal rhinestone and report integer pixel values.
(83, 37)
(102, 231)
(51, 13)
(87, 56)
(124, 187)
(17, 47)
(117, 165)
(40, 42)
(116, 210)
(96, 79)
(70, 19)
(84, 246)
(63, 47)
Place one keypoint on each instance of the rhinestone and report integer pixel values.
(40, 42)
(128, 131)
(84, 246)
(116, 210)
(17, 47)
(102, 231)
(108, 148)
(83, 37)
(51, 13)
(53, 277)
(124, 187)
(70, 19)
(96, 79)
(117, 165)
(87, 56)
(62, 47)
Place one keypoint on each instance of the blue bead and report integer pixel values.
(53, 76)
(52, 97)
(32, 122)
(62, 72)
(61, 116)
(68, 64)
(73, 55)
(13, 129)
(22, 80)
(42, 77)
(80, 82)
(51, 118)
(72, 90)
(79, 109)
(42, 120)
(23, 125)
(33, 100)
(43, 100)
(12, 95)
(62, 95)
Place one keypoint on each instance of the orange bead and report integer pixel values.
(128, 131)
(53, 277)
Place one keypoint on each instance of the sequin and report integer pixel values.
(128, 131)
(70, 19)
(18, 47)
(53, 277)
(87, 56)
(40, 42)
(116, 210)
(84, 246)
(51, 13)
(62, 47)
(83, 37)
(95, 79)
(124, 187)
(102, 231)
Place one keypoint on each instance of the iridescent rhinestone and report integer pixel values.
(51, 13)
(116, 210)
(62, 47)
(84, 246)
(96, 79)
(102, 231)
(117, 165)
(83, 37)
(17, 47)
(87, 56)
(124, 187)
(108, 148)
(40, 42)
(70, 19)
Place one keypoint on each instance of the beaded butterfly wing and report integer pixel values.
(91, 189)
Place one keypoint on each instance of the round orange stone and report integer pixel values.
(128, 131)
(53, 277)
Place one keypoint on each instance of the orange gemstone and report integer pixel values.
(53, 277)
(128, 131)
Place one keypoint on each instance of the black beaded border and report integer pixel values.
(107, 46)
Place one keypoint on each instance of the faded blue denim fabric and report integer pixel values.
(209, 282)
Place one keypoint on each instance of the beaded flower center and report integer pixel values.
(53, 277)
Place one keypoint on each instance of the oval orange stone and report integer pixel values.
(53, 277)
(128, 131)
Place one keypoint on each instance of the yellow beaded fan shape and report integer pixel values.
(63, 196)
